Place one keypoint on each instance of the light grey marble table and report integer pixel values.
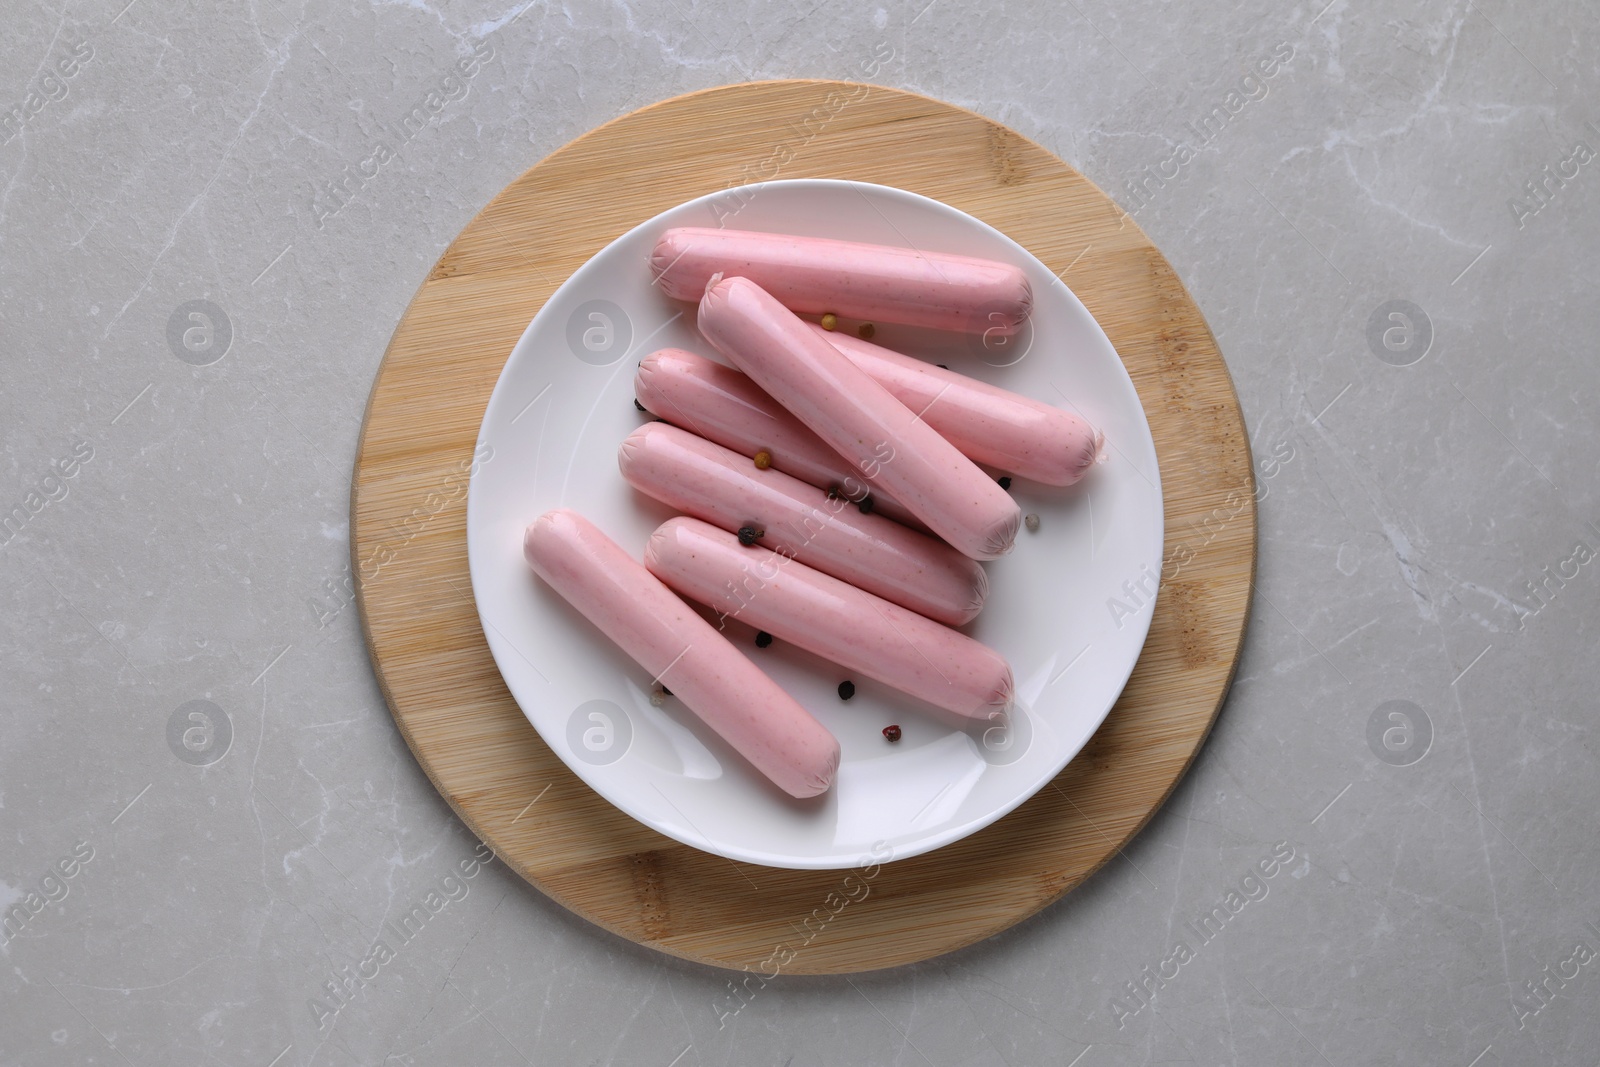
(1389, 215)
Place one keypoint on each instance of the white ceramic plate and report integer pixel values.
(1066, 608)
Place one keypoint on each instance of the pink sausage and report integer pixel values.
(988, 424)
(829, 618)
(681, 650)
(860, 281)
(722, 405)
(859, 418)
(727, 490)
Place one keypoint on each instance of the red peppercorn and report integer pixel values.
(891, 733)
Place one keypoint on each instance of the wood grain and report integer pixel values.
(408, 522)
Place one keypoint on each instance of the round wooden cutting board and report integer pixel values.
(408, 531)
